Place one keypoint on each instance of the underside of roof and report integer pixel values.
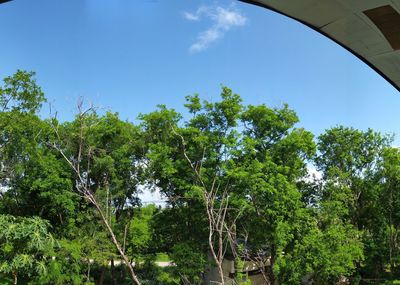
(4, 1)
(370, 29)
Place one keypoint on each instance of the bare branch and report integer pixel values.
(82, 183)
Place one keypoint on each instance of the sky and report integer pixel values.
(128, 56)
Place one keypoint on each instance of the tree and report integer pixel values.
(140, 232)
(267, 168)
(349, 160)
(237, 186)
(21, 93)
(66, 265)
(238, 167)
(33, 181)
(389, 201)
(188, 164)
(24, 243)
(326, 249)
(100, 153)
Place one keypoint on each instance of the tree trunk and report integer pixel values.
(271, 274)
(122, 274)
(15, 275)
(82, 184)
(113, 281)
(88, 272)
(114, 240)
(391, 236)
(103, 270)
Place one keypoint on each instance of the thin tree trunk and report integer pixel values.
(15, 275)
(115, 241)
(271, 268)
(122, 274)
(103, 270)
(210, 239)
(88, 272)
(216, 217)
(391, 239)
(125, 233)
(82, 185)
(113, 281)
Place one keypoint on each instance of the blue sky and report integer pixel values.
(129, 56)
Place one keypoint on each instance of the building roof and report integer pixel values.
(370, 29)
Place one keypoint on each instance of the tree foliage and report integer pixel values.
(24, 243)
(236, 184)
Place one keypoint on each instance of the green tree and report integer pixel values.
(325, 249)
(103, 154)
(188, 164)
(36, 181)
(24, 243)
(66, 265)
(33, 180)
(139, 235)
(230, 172)
(389, 205)
(267, 168)
(21, 93)
(349, 160)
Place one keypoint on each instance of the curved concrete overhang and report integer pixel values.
(369, 29)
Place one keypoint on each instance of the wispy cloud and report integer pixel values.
(191, 16)
(198, 14)
(222, 20)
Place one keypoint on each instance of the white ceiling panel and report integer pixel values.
(390, 62)
(354, 32)
(362, 5)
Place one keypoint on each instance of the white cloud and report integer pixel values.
(223, 19)
(204, 39)
(196, 16)
(227, 18)
(190, 16)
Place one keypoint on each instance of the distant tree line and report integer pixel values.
(235, 179)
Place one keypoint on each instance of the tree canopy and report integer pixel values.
(236, 185)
